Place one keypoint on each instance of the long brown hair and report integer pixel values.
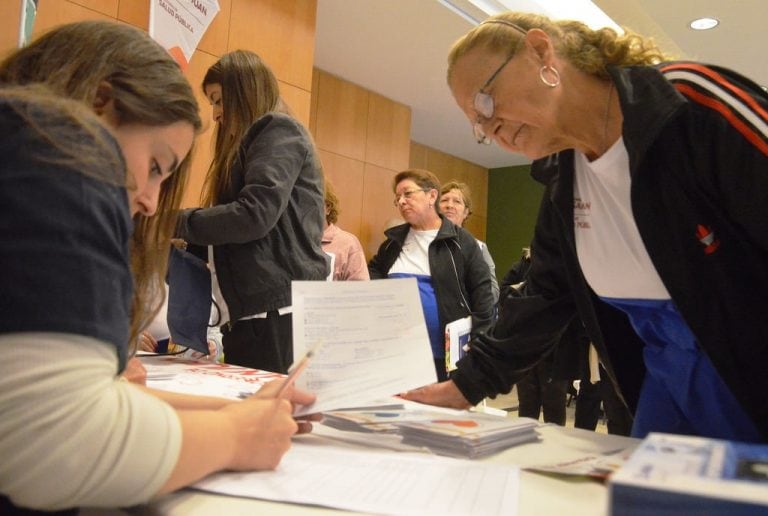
(148, 88)
(249, 90)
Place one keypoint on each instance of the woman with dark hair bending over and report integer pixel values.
(97, 121)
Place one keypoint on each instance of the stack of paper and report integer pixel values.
(469, 435)
(362, 420)
(384, 419)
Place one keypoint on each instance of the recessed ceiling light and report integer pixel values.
(704, 23)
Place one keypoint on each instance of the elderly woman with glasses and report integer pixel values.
(653, 227)
(454, 280)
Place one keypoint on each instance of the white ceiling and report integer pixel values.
(398, 48)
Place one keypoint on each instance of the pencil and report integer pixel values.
(296, 369)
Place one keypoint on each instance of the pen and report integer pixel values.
(295, 370)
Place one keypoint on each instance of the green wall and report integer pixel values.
(513, 205)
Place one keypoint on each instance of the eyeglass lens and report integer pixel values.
(407, 195)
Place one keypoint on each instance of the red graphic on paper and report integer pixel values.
(466, 424)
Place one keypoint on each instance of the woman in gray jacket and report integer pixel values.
(263, 211)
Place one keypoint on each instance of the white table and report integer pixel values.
(540, 494)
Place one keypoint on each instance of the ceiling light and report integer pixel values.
(585, 11)
(704, 23)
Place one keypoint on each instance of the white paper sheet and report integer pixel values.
(374, 340)
(203, 378)
(380, 483)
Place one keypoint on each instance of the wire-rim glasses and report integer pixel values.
(407, 194)
(484, 105)
(483, 101)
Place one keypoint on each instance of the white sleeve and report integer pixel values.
(71, 433)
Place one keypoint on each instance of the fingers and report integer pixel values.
(292, 393)
(147, 342)
(417, 394)
(135, 372)
(305, 427)
(444, 394)
(269, 390)
(301, 397)
(179, 244)
(270, 430)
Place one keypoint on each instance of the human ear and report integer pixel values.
(539, 44)
(103, 98)
(104, 104)
(434, 196)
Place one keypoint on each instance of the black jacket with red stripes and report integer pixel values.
(698, 153)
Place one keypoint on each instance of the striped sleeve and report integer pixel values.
(741, 102)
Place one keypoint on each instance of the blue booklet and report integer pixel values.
(677, 474)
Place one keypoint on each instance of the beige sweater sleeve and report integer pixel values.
(71, 433)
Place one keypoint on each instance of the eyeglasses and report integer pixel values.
(483, 101)
(407, 194)
(484, 105)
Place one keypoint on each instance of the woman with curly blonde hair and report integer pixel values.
(652, 228)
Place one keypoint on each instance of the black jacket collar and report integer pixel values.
(647, 101)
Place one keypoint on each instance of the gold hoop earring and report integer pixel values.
(555, 74)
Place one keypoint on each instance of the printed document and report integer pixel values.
(378, 482)
(372, 338)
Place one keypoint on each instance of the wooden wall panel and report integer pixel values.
(108, 7)
(55, 12)
(476, 224)
(448, 168)
(203, 152)
(342, 117)
(451, 168)
(346, 175)
(134, 13)
(418, 157)
(283, 34)
(389, 133)
(444, 166)
(216, 39)
(378, 209)
(298, 100)
(313, 103)
(10, 17)
(477, 179)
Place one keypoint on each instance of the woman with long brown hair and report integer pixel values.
(262, 211)
(97, 121)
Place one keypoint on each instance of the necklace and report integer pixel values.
(605, 122)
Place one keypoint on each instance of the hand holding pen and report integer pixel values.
(284, 388)
(297, 368)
